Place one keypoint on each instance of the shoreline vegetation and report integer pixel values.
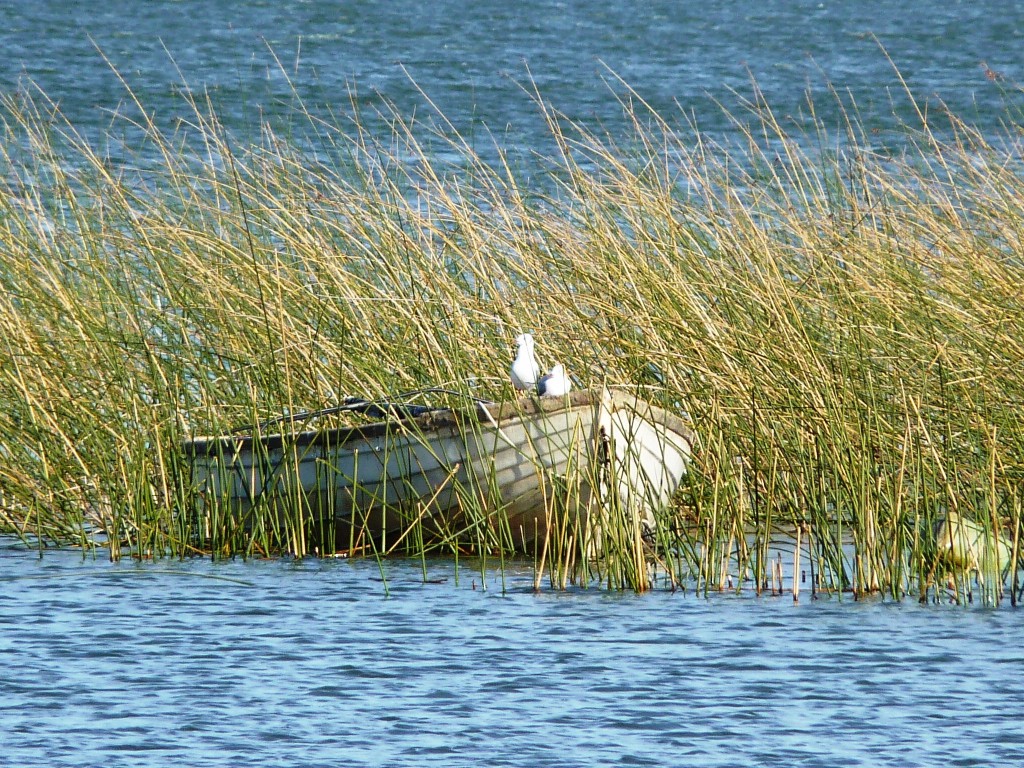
(842, 324)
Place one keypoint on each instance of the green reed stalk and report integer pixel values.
(838, 321)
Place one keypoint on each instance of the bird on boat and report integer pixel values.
(525, 370)
(554, 383)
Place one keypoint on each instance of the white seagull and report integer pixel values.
(524, 368)
(554, 383)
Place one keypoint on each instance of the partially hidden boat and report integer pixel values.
(509, 472)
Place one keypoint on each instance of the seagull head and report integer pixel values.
(524, 342)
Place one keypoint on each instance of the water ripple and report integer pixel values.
(312, 664)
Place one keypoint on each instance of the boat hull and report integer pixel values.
(495, 475)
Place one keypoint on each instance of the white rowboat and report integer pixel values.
(511, 464)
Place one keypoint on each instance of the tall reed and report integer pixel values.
(841, 324)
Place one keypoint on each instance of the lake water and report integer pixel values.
(473, 59)
(310, 663)
(315, 663)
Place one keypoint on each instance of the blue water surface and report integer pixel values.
(480, 62)
(321, 663)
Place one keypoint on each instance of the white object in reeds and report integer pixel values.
(524, 370)
(499, 464)
(966, 544)
(554, 383)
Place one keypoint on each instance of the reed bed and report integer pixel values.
(841, 323)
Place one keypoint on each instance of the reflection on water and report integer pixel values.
(308, 663)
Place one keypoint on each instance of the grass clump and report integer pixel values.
(841, 323)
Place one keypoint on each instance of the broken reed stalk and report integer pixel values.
(796, 565)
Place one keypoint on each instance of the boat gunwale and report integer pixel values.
(488, 416)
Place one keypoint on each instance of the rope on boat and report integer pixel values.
(375, 409)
